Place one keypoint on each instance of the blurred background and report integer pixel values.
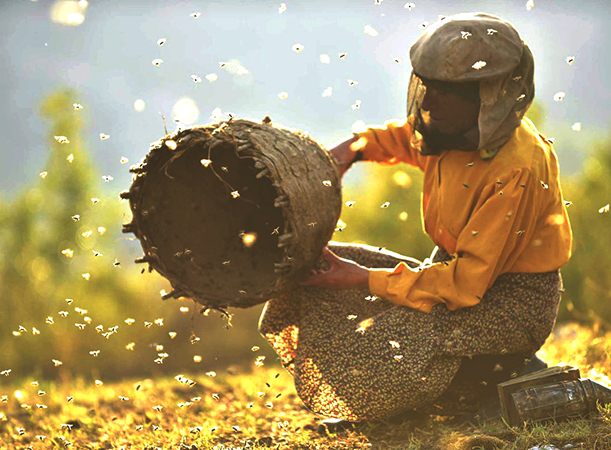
(88, 85)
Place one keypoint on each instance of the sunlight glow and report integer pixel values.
(358, 127)
(139, 105)
(70, 13)
(249, 239)
(555, 219)
(186, 110)
(402, 178)
(359, 144)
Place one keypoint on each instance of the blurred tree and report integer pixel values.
(587, 277)
(536, 113)
(386, 210)
(42, 245)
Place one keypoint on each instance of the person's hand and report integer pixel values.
(343, 274)
(343, 153)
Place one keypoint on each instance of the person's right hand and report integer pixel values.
(343, 274)
(343, 153)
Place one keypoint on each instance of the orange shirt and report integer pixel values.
(500, 215)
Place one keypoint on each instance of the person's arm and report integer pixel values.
(493, 238)
(389, 144)
(345, 153)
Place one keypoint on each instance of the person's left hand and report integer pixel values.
(343, 274)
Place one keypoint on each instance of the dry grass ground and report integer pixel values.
(261, 410)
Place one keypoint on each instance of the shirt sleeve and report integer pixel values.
(499, 229)
(390, 144)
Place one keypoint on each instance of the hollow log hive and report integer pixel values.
(231, 212)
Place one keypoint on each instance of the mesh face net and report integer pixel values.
(415, 96)
(425, 138)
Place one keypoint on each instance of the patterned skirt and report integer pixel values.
(357, 357)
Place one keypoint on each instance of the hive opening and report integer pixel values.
(229, 212)
(234, 213)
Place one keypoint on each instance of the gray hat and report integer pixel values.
(449, 48)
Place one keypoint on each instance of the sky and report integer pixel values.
(248, 51)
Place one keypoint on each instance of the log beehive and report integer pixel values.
(233, 211)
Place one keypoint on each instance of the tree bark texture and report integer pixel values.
(231, 212)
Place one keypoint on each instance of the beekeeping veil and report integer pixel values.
(472, 47)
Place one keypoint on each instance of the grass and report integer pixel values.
(260, 409)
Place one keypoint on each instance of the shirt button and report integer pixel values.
(439, 231)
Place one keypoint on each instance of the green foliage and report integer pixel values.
(398, 225)
(35, 228)
(587, 277)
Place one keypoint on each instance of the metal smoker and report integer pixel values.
(548, 394)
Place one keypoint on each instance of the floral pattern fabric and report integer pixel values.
(357, 357)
